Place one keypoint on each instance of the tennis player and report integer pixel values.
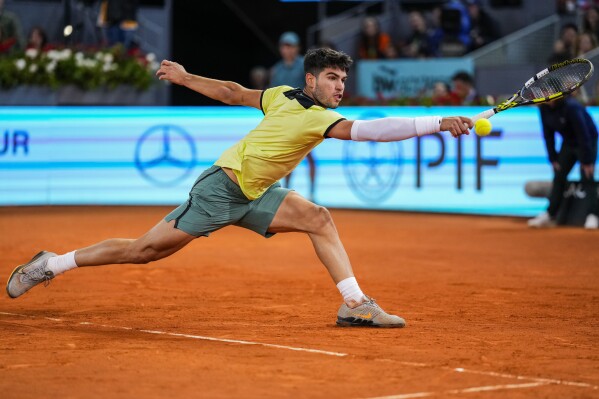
(242, 187)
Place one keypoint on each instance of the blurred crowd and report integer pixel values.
(454, 29)
(116, 23)
(576, 40)
(451, 30)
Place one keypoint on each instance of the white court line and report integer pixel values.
(521, 377)
(465, 390)
(199, 337)
(537, 380)
(505, 375)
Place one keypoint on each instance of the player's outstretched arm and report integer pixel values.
(396, 129)
(227, 92)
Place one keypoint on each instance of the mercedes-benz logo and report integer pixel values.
(165, 155)
(372, 169)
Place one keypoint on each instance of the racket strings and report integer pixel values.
(557, 81)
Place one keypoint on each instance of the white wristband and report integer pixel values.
(427, 125)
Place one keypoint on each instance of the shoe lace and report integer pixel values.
(371, 301)
(36, 275)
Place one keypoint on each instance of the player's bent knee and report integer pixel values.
(322, 219)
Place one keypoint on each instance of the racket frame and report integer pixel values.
(516, 100)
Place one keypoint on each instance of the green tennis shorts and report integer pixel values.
(215, 201)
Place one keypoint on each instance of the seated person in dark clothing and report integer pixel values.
(10, 31)
(373, 43)
(483, 28)
(38, 39)
(418, 44)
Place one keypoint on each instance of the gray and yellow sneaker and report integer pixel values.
(27, 276)
(368, 314)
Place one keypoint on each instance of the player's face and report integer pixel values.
(329, 87)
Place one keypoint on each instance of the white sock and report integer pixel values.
(350, 290)
(62, 263)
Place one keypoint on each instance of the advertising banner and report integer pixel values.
(406, 78)
(145, 156)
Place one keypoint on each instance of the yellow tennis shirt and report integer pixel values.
(292, 126)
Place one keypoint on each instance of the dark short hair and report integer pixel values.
(463, 76)
(570, 25)
(316, 60)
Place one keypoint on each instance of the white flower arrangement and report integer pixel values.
(88, 70)
(20, 64)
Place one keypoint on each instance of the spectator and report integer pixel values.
(569, 37)
(483, 28)
(419, 43)
(290, 69)
(559, 52)
(119, 21)
(436, 35)
(6, 45)
(11, 38)
(566, 46)
(568, 117)
(463, 89)
(373, 43)
(586, 42)
(591, 20)
(259, 78)
(37, 39)
(455, 24)
(442, 95)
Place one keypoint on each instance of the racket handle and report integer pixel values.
(485, 114)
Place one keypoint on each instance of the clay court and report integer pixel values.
(493, 308)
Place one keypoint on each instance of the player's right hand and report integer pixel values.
(171, 71)
(456, 125)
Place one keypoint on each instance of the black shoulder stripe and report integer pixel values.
(298, 94)
(326, 132)
(261, 108)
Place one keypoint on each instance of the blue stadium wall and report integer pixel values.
(151, 156)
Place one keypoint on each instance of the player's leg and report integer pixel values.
(161, 241)
(213, 190)
(296, 214)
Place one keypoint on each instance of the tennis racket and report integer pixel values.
(551, 83)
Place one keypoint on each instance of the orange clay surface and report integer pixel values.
(494, 310)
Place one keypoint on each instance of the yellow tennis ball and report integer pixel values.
(483, 127)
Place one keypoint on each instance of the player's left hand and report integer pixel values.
(456, 125)
(171, 71)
